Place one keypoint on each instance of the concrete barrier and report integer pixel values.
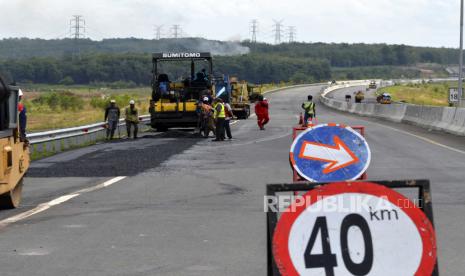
(391, 112)
(458, 122)
(447, 119)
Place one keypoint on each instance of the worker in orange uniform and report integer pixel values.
(207, 122)
(261, 110)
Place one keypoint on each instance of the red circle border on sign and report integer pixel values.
(421, 221)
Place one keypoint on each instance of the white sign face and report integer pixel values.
(354, 233)
(453, 95)
(379, 245)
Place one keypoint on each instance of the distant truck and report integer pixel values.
(372, 85)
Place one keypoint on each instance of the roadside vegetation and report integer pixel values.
(51, 107)
(423, 94)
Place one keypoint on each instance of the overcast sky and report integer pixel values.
(412, 22)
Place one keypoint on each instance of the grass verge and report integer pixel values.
(435, 94)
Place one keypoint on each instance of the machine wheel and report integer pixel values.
(12, 199)
(241, 115)
(161, 129)
(247, 115)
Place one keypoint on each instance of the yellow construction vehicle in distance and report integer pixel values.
(384, 98)
(359, 96)
(238, 93)
(15, 153)
(240, 102)
(372, 85)
(179, 81)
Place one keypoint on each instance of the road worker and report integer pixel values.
(132, 119)
(228, 118)
(204, 74)
(220, 115)
(261, 110)
(310, 111)
(112, 114)
(22, 118)
(207, 122)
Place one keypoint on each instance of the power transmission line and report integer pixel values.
(278, 31)
(291, 33)
(77, 28)
(158, 29)
(254, 30)
(176, 31)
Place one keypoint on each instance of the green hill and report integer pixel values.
(128, 60)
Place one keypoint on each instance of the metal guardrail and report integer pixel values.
(46, 143)
(51, 135)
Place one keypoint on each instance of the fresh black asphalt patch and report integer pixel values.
(126, 157)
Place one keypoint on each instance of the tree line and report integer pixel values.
(136, 68)
(129, 60)
(360, 54)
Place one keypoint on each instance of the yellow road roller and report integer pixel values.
(14, 160)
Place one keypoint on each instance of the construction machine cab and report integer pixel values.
(8, 109)
(181, 88)
(179, 81)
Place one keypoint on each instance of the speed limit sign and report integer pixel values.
(357, 228)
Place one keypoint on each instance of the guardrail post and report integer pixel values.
(57, 145)
(65, 143)
(48, 146)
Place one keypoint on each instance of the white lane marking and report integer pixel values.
(61, 199)
(101, 185)
(57, 201)
(424, 139)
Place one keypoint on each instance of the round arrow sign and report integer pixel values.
(327, 153)
(354, 229)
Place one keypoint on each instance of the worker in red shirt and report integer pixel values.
(261, 110)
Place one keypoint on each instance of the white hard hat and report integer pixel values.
(205, 99)
(112, 101)
(20, 92)
(131, 102)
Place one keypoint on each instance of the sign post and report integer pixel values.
(352, 228)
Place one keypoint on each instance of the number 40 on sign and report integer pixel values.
(328, 235)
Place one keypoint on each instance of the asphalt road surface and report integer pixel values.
(189, 206)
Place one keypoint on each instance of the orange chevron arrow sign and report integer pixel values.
(338, 156)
